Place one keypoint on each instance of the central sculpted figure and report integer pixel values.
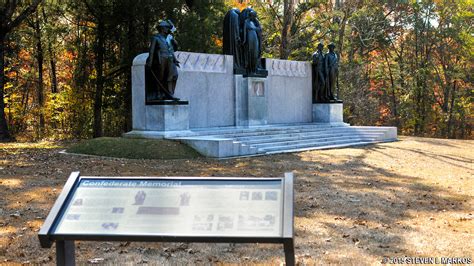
(232, 41)
(162, 64)
(252, 39)
(243, 40)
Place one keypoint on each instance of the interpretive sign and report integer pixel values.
(181, 209)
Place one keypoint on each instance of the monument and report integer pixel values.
(325, 85)
(240, 103)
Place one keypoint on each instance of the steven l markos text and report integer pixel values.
(426, 260)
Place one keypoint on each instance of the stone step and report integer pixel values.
(325, 147)
(302, 136)
(316, 145)
(310, 141)
(256, 135)
(254, 129)
(250, 135)
(234, 142)
(260, 131)
(296, 132)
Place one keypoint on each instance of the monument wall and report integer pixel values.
(289, 91)
(207, 82)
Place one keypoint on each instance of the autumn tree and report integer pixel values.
(12, 14)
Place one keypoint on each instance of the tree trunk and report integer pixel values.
(288, 10)
(54, 77)
(4, 132)
(131, 47)
(450, 117)
(39, 88)
(100, 51)
(342, 29)
(52, 60)
(393, 94)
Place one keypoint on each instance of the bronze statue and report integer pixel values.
(232, 41)
(243, 40)
(319, 77)
(252, 40)
(325, 70)
(162, 72)
(331, 61)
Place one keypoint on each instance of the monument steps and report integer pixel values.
(325, 147)
(302, 136)
(315, 144)
(228, 142)
(308, 140)
(258, 130)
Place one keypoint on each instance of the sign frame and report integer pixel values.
(65, 242)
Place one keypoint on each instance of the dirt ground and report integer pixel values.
(352, 206)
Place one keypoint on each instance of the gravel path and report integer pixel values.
(353, 206)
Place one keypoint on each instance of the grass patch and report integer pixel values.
(134, 148)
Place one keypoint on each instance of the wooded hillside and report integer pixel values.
(65, 65)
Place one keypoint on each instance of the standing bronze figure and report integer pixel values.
(332, 73)
(252, 39)
(232, 41)
(162, 65)
(319, 77)
(243, 40)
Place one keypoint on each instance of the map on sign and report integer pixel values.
(174, 207)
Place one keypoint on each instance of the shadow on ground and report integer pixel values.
(366, 202)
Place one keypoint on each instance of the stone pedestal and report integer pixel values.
(327, 113)
(250, 101)
(154, 115)
(167, 117)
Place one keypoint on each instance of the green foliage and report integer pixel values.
(403, 63)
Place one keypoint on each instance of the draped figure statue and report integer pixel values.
(232, 41)
(252, 40)
(243, 40)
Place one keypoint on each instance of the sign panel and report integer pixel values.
(173, 207)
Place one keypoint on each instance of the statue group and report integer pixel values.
(243, 40)
(325, 75)
(161, 71)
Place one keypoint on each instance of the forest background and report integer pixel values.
(65, 65)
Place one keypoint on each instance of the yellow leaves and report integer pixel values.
(240, 4)
(217, 41)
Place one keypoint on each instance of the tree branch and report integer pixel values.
(23, 15)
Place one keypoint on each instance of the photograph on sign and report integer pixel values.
(176, 207)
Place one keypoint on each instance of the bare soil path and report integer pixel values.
(353, 206)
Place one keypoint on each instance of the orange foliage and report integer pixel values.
(69, 55)
(240, 4)
(217, 41)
